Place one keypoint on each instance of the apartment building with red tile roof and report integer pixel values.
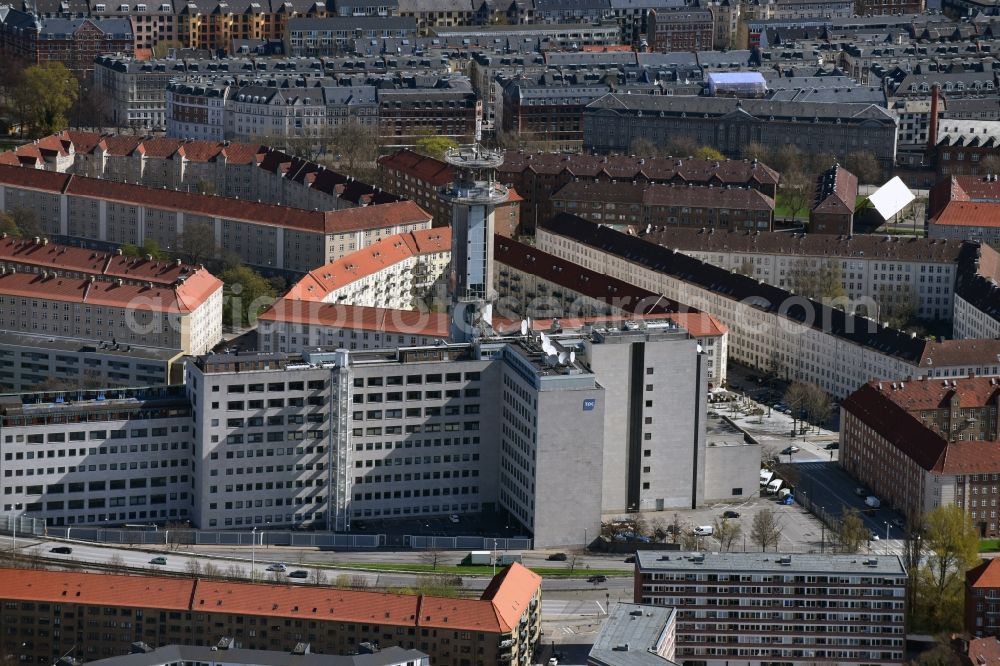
(982, 608)
(965, 208)
(503, 625)
(833, 204)
(922, 443)
(265, 235)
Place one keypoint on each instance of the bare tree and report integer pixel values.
(235, 572)
(193, 567)
(117, 563)
(210, 570)
(659, 529)
(787, 158)
(756, 151)
(990, 164)
(727, 532)
(689, 540)
(765, 530)
(865, 166)
(431, 557)
(675, 528)
(574, 561)
(197, 242)
(643, 147)
(358, 582)
(319, 577)
(681, 146)
(796, 191)
(851, 531)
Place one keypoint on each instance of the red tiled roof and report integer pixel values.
(96, 589)
(159, 298)
(386, 252)
(339, 315)
(925, 394)
(984, 651)
(421, 167)
(968, 214)
(986, 574)
(335, 221)
(498, 611)
(836, 191)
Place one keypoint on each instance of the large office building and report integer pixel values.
(48, 614)
(614, 122)
(763, 608)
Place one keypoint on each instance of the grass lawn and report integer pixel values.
(989, 545)
(472, 570)
(782, 211)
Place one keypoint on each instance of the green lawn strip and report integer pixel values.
(481, 570)
(989, 545)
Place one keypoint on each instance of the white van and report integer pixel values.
(765, 477)
(704, 530)
(774, 486)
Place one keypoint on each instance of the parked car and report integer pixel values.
(832, 446)
(788, 450)
(873, 502)
(299, 573)
(158, 560)
(704, 530)
(860, 491)
(630, 559)
(61, 550)
(730, 514)
(556, 557)
(453, 517)
(597, 579)
(277, 566)
(874, 537)
(553, 661)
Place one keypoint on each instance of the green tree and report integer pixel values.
(435, 145)
(45, 95)
(8, 225)
(709, 153)
(765, 530)
(865, 166)
(643, 147)
(756, 151)
(821, 282)
(851, 532)
(952, 548)
(149, 247)
(246, 294)
(681, 146)
(25, 222)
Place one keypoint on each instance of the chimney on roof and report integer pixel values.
(932, 130)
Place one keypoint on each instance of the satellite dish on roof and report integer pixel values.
(563, 357)
(572, 357)
(524, 327)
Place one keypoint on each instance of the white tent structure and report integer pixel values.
(891, 198)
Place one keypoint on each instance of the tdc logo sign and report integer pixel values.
(588, 404)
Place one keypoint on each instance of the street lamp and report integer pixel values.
(267, 526)
(253, 553)
(887, 537)
(494, 557)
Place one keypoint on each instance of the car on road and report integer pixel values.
(704, 530)
(730, 514)
(832, 446)
(453, 517)
(158, 560)
(630, 559)
(556, 557)
(553, 661)
(61, 550)
(789, 450)
(597, 579)
(277, 566)
(874, 537)
(299, 573)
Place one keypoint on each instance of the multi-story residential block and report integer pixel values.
(298, 652)
(434, 13)
(277, 237)
(420, 178)
(886, 273)
(965, 208)
(924, 443)
(333, 35)
(876, 7)
(571, 35)
(982, 600)
(241, 171)
(566, 11)
(770, 328)
(761, 608)
(834, 199)
(623, 205)
(75, 42)
(451, 109)
(680, 29)
(543, 112)
(962, 146)
(614, 122)
(634, 633)
(977, 294)
(538, 176)
(183, 315)
(152, 22)
(503, 625)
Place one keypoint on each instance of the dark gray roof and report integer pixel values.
(631, 636)
(54, 28)
(826, 563)
(354, 23)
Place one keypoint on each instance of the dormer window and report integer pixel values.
(123, 8)
(140, 8)
(101, 7)
(164, 8)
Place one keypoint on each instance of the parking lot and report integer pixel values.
(485, 524)
(832, 490)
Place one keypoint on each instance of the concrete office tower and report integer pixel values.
(654, 426)
(474, 196)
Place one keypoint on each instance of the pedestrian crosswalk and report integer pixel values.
(562, 608)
